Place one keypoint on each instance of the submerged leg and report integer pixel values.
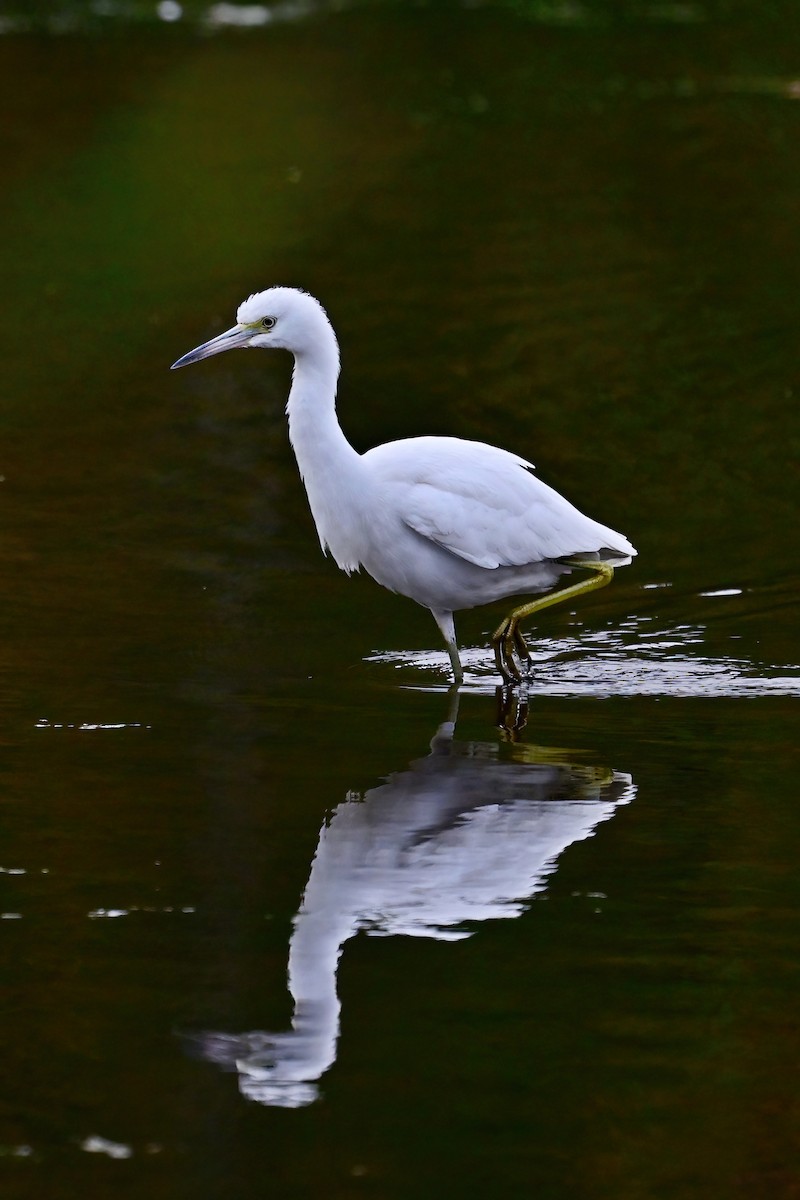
(445, 622)
(508, 639)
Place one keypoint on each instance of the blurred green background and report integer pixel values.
(567, 228)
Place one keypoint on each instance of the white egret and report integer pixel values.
(450, 523)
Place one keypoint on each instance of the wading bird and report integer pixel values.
(450, 523)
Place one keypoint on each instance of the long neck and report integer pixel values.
(313, 428)
(329, 466)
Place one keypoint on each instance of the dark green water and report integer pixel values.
(577, 239)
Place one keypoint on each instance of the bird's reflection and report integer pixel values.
(469, 833)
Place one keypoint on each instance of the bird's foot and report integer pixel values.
(523, 655)
(511, 653)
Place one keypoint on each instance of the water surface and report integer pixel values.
(278, 919)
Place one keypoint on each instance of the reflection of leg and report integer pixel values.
(508, 638)
(512, 712)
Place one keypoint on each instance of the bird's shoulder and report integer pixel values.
(451, 464)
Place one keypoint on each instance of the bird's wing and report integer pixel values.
(484, 504)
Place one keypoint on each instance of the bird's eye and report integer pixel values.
(268, 322)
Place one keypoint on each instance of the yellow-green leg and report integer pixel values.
(508, 639)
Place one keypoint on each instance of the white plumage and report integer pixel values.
(452, 524)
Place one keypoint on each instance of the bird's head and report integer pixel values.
(280, 318)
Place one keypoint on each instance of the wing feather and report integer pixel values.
(483, 504)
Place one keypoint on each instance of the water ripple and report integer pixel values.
(635, 658)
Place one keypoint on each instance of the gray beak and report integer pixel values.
(240, 335)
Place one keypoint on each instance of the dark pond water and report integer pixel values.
(281, 917)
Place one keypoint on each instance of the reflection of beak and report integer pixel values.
(238, 336)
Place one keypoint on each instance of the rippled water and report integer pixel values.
(280, 913)
(640, 656)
